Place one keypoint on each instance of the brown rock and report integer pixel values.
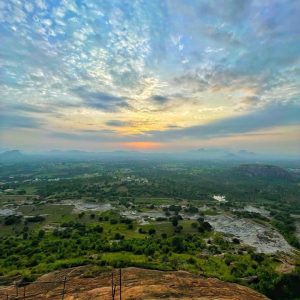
(138, 284)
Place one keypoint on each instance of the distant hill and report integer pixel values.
(201, 154)
(220, 154)
(12, 155)
(266, 171)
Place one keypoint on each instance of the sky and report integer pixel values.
(159, 75)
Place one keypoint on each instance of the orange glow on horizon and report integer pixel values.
(142, 145)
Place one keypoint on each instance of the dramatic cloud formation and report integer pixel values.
(160, 74)
(268, 117)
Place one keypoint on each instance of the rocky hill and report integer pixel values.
(137, 284)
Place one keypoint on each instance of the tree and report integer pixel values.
(41, 234)
(177, 244)
(118, 236)
(152, 231)
(178, 229)
(98, 229)
(149, 250)
(36, 219)
(194, 225)
(207, 226)
(174, 222)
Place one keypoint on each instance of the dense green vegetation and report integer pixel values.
(101, 243)
(47, 232)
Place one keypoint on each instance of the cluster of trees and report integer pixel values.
(18, 219)
(76, 242)
(202, 225)
(12, 219)
(286, 226)
(251, 215)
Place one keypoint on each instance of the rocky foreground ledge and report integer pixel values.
(136, 284)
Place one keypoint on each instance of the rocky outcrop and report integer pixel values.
(138, 284)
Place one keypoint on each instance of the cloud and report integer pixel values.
(229, 10)
(268, 117)
(248, 102)
(117, 123)
(100, 100)
(33, 110)
(160, 99)
(101, 136)
(28, 108)
(9, 121)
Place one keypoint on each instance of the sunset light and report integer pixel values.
(142, 146)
